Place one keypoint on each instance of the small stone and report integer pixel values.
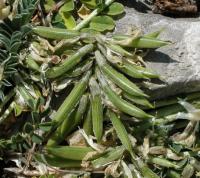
(179, 63)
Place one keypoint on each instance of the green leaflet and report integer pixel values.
(66, 14)
(114, 9)
(67, 7)
(90, 3)
(102, 23)
(68, 19)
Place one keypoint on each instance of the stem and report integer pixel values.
(94, 13)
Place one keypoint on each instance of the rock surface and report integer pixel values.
(179, 63)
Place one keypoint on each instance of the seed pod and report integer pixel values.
(132, 71)
(80, 111)
(127, 67)
(146, 73)
(119, 37)
(153, 34)
(116, 77)
(119, 50)
(163, 162)
(31, 64)
(61, 132)
(121, 104)
(55, 33)
(65, 44)
(69, 123)
(69, 152)
(97, 109)
(120, 130)
(57, 161)
(80, 69)
(72, 99)
(87, 125)
(69, 63)
(138, 100)
(142, 42)
(112, 155)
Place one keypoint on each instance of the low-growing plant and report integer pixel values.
(105, 122)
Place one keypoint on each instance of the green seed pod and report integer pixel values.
(56, 161)
(116, 77)
(55, 33)
(32, 64)
(124, 37)
(163, 162)
(120, 130)
(69, 152)
(69, 63)
(121, 104)
(118, 49)
(69, 123)
(138, 100)
(142, 42)
(61, 132)
(153, 34)
(72, 99)
(80, 111)
(97, 109)
(87, 125)
(112, 155)
(79, 70)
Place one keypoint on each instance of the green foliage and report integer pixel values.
(102, 23)
(114, 9)
(11, 36)
(116, 123)
(24, 12)
(71, 11)
(68, 6)
(90, 3)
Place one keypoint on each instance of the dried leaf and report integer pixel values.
(83, 12)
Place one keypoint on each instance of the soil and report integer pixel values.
(176, 7)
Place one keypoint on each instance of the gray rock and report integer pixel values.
(179, 63)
